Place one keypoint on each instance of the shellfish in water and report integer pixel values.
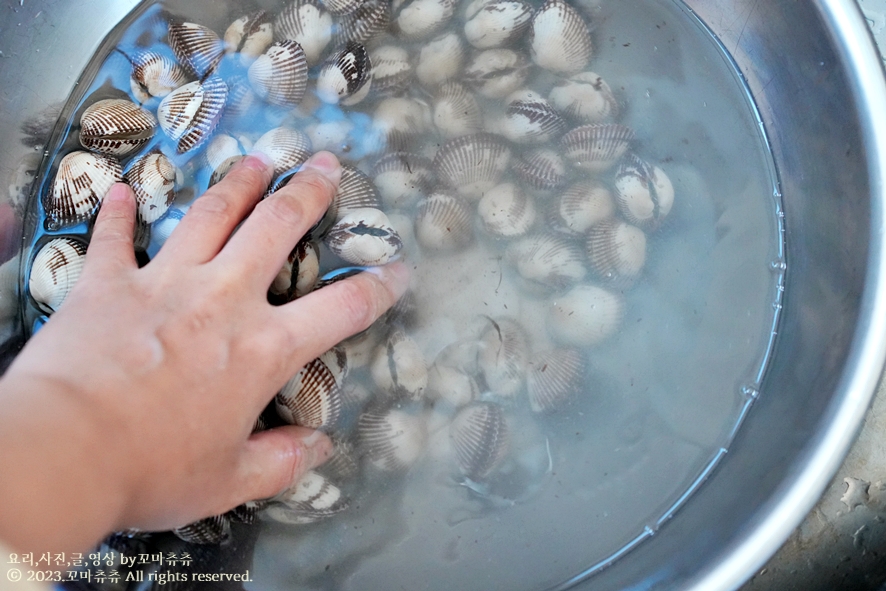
(399, 367)
(287, 148)
(312, 499)
(362, 23)
(644, 192)
(116, 127)
(403, 178)
(154, 75)
(82, 181)
(559, 38)
(280, 75)
(548, 261)
(355, 191)
(585, 97)
(197, 47)
(497, 23)
(346, 76)
(312, 398)
(480, 439)
(440, 60)
(597, 147)
(530, 119)
(249, 36)
(364, 237)
(153, 180)
(472, 164)
(456, 111)
(212, 530)
(391, 70)
(393, 440)
(398, 121)
(502, 355)
(191, 113)
(554, 377)
(542, 169)
(299, 275)
(506, 211)
(496, 73)
(617, 250)
(581, 206)
(444, 223)
(307, 23)
(54, 271)
(586, 315)
(419, 19)
(222, 153)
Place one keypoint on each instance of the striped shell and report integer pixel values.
(247, 512)
(343, 464)
(496, 73)
(542, 169)
(346, 76)
(312, 499)
(548, 261)
(581, 206)
(154, 75)
(280, 75)
(643, 192)
(444, 223)
(472, 164)
(212, 530)
(456, 111)
(451, 385)
(249, 36)
(617, 250)
(355, 191)
(559, 38)
(82, 181)
(299, 274)
(440, 59)
(222, 153)
(153, 180)
(286, 147)
(399, 367)
(306, 22)
(596, 147)
(312, 398)
(54, 271)
(340, 7)
(586, 98)
(391, 70)
(241, 98)
(116, 127)
(197, 47)
(399, 121)
(506, 211)
(497, 23)
(364, 237)
(402, 178)
(530, 119)
(191, 113)
(370, 18)
(554, 377)
(419, 19)
(480, 439)
(393, 440)
(502, 355)
(584, 316)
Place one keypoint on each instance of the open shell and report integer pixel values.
(197, 47)
(116, 127)
(153, 180)
(391, 440)
(54, 271)
(559, 38)
(364, 237)
(154, 75)
(280, 75)
(480, 439)
(472, 164)
(444, 223)
(306, 22)
(82, 181)
(191, 113)
(554, 377)
(596, 147)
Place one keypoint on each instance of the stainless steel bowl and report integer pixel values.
(817, 81)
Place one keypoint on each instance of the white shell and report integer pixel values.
(596, 147)
(548, 261)
(355, 191)
(530, 119)
(480, 439)
(644, 192)
(82, 181)
(403, 178)
(340, 7)
(554, 377)
(617, 250)
(456, 111)
(307, 23)
(312, 398)
(419, 19)
(472, 164)
(497, 23)
(583, 205)
(496, 73)
(368, 19)
(286, 147)
(54, 271)
(393, 440)
(190, 114)
(559, 38)
(398, 121)
(451, 385)
(391, 70)
(502, 355)
(399, 367)
(586, 315)
(116, 127)
(311, 499)
(440, 59)
(364, 237)
(346, 77)
(299, 274)
(585, 97)
(280, 75)
(153, 180)
(443, 223)
(506, 211)
(196, 47)
(542, 169)
(249, 36)
(242, 100)
(154, 75)
(222, 153)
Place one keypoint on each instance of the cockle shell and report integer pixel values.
(82, 181)
(402, 178)
(419, 19)
(355, 191)
(506, 211)
(530, 119)
(497, 23)
(54, 271)
(542, 169)
(548, 261)
(241, 97)
(391, 440)
(616, 250)
(312, 398)
(153, 179)
(643, 192)
(399, 121)
(444, 223)
(299, 274)
(306, 22)
(191, 113)
(496, 73)
(367, 20)
(399, 367)
(364, 237)
(286, 147)
(212, 530)
(581, 206)
(586, 98)
(391, 70)
(502, 356)
(584, 316)
(559, 39)
(249, 36)
(196, 47)
(480, 439)
(280, 75)
(451, 385)
(154, 75)
(116, 127)
(554, 377)
(341, 6)
(222, 153)
(456, 111)
(343, 464)
(598, 146)
(312, 499)
(440, 59)
(346, 76)
(247, 512)
(472, 164)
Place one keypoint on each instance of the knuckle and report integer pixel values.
(290, 212)
(214, 208)
(313, 186)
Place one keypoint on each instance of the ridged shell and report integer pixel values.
(346, 76)
(596, 147)
(191, 113)
(196, 47)
(341, 6)
(343, 464)
(456, 111)
(554, 377)
(399, 367)
(306, 22)
(419, 19)
(370, 18)
(581, 206)
(312, 398)
(402, 178)
(480, 439)
(82, 181)
(502, 355)
(364, 237)
(399, 121)
(586, 315)
(249, 36)
(392, 440)
(212, 530)
(586, 98)
(312, 499)
(153, 180)
(643, 192)
(247, 512)
(287, 148)
(496, 73)
(391, 70)
(360, 349)
(222, 153)
(440, 59)
(617, 250)
(280, 75)
(530, 119)
(116, 127)
(451, 385)
(497, 24)
(559, 38)
(299, 275)
(506, 211)
(355, 191)
(241, 98)
(154, 75)
(548, 261)
(542, 169)
(472, 164)
(444, 223)
(54, 271)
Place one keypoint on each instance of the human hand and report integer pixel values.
(142, 390)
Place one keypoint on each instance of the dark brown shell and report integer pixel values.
(280, 75)
(554, 377)
(212, 530)
(191, 113)
(116, 127)
(307, 22)
(341, 6)
(370, 18)
(153, 179)
(345, 74)
(154, 75)
(472, 164)
(542, 169)
(480, 439)
(197, 47)
(598, 146)
(312, 398)
(82, 181)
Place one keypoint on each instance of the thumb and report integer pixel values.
(111, 245)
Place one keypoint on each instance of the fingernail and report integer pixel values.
(259, 161)
(326, 164)
(119, 193)
(395, 276)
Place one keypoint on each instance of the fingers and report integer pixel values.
(111, 245)
(260, 247)
(210, 220)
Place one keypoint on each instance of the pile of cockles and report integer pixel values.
(456, 123)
